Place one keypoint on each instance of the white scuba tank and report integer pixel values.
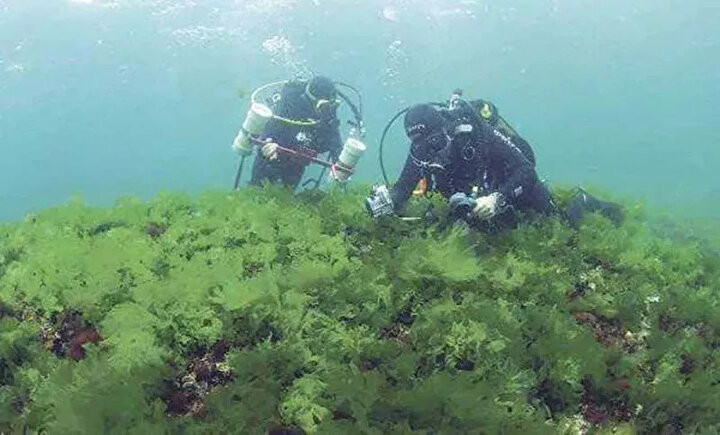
(255, 121)
(352, 151)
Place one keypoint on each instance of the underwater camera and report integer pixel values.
(461, 205)
(379, 203)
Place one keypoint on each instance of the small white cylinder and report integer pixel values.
(256, 119)
(352, 151)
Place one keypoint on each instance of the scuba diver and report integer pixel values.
(298, 123)
(486, 171)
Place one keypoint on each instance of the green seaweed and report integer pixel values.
(262, 311)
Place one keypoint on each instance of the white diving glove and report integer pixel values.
(270, 151)
(487, 207)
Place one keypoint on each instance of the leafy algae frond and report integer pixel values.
(260, 311)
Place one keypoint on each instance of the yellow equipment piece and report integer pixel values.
(486, 111)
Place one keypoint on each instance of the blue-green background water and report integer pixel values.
(106, 98)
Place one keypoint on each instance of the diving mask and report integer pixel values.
(432, 143)
(327, 108)
(324, 107)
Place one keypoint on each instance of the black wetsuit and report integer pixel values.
(479, 159)
(485, 155)
(540, 197)
(291, 103)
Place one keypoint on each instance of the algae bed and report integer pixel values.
(263, 312)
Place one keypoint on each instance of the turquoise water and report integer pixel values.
(107, 98)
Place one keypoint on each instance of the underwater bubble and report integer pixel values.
(284, 53)
(389, 13)
(111, 4)
(163, 9)
(202, 35)
(396, 63)
(16, 68)
(278, 45)
(270, 6)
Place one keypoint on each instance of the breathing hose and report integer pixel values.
(384, 135)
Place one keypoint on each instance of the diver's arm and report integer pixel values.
(403, 189)
(275, 133)
(443, 184)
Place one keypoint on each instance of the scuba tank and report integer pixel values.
(255, 121)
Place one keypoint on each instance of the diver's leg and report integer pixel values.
(583, 202)
(267, 171)
(259, 172)
(540, 199)
(292, 175)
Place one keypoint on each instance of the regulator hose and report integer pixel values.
(357, 110)
(382, 142)
(384, 135)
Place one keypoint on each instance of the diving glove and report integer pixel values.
(463, 206)
(487, 207)
(270, 151)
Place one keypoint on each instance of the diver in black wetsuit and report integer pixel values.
(480, 164)
(307, 123)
